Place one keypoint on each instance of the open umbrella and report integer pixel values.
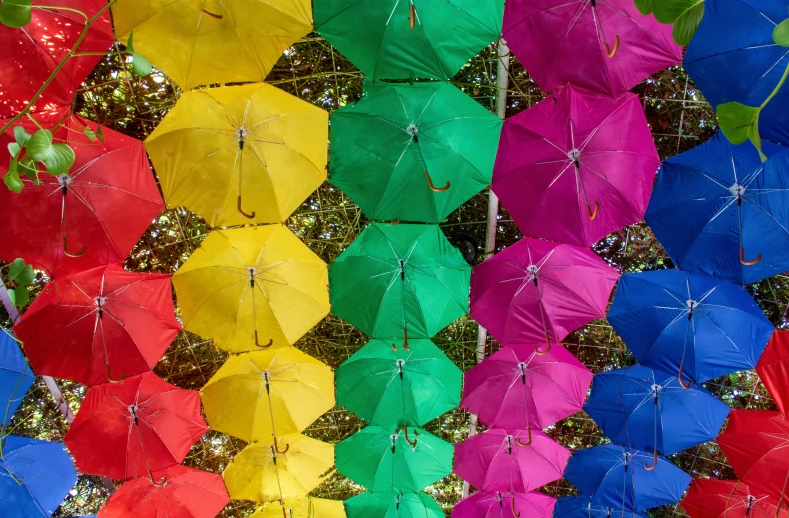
(505, 505)
(688, 324)
(710, 498)
(583, 507)
(393, 39)
(129, 429)
(402, 461)
(389, 386)
(576, 166)
(773, 369)
(733, 211)
(257, 395)
(92, 217)
(16, 377)
(252, 288)
(412, 152)
(99, 325)
(397, 281)
(35, 477)
(213, 41)
(301, 507)
(515, 461)
(518, 388)
(401, 505)
(537, 291)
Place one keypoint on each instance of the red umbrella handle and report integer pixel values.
(748, 263)
(654, 462)
(524, 444)
(679, 377)
(612, 52)
(241, 211)
(433, 187)
(412, 16)
(263, 346)
(72, 254)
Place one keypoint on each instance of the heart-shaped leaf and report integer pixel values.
(100, 133)
(669, 11)
(14, 149)
(781, 33)
(21, 273)
(58, 158)
(22, 296)
(15, 13)
(740, 123)
(89, 133)
(21, 136)
(687, 24)
(11, 178)
(644, 6)
(140, 66)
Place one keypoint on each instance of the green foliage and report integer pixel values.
(140, 66)
(27, 150)
(740, 123)
(20, 277)
(15, 13)
(684, 14)
(57, 158)
(781, 33)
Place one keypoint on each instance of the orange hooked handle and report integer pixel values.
(612, 52)
(593, 213)
(654, 463)
(547, 350)
(433, 187)
(679, 377)
(241, 211)
(524, 444)
(412, 16)
(263, 346)
(74, 254)
(748, 263)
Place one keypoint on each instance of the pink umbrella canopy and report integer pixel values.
(515, 461)
(539, 290)
(518, 388)
(576, 166)
(505, 505)
(603, 45)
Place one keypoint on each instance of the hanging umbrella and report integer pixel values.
(41, 45)
(16, 378)
(412, 152)
(391, 39)
(505, 505)
(515, 461)
(710, 498)
(583, 507)
(174, 492)
(518, 388)
(92, 217)
(252, 392)
(291, 466)
(401, 505)
(126, 430)
(301, 507)
(99, 325)
(734, 211)
(773, 369)
(402, 461)
(389, 387)
(688, 324)
(400, 281)
(537, 291)
(576, 166)
(618, 477)
(213, 41)
(252, 288)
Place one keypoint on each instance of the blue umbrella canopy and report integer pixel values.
(16, 378)
(582, 507)
(689, 324)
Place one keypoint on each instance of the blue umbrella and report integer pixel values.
(35, 477)
(16, 378)
(583, 507)
(733, 57)
(613, 476)
(689, 324)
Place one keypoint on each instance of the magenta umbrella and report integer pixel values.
(576, 166)
(518, 388)
(539, 290)
(603, 45)
(510, 460)
(505, 505)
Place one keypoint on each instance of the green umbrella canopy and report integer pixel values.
(389, 386)
(398, 277)
(412, 152)
(377, 35)
(384, 505)
(383, 461)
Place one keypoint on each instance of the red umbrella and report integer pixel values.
(91, 218)
(175, 492)
(773, 369)
(32, 53)
(100, 325)
(129, 429)
(710, 498)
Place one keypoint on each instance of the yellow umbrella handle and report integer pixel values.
(263, 346)
(70, 254)
(240, 210)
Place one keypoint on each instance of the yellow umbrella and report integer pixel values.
(252, 288)
(302, 507)
(257, 395)
(291, 466)
(202, 42)
(240, 154)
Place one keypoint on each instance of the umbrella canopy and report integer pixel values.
(126, 430)
(253, 392)
(174, 492)
(710, 498)
(518, 388)
(92, 217)
(391, 39)
(240, 154)
(733, 209)
(16, 377)
(688, 324)
(400, 462)
(291, 466)
(412, 152)
(100, 325)
(213, 41)
(505, 505)
(397, 280)
(576, 166)
(40, 46)
(515, 461)
(35, 477)
(252, 288)
(301, 507)
(537, 291)
(391, 387)
(583, 507)
(773, 369)
(384, 505)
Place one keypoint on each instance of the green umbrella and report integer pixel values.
(384, 505)
(403, 461)
(397, 281)
(389, 386)
(412, 152)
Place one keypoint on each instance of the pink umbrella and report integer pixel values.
(518, 388)
(510, 460)
(538, 291)
(505, 505)
(576, 166)
(603, 45)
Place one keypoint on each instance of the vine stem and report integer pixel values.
(777, 88)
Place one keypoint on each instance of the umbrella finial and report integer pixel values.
(400, 363)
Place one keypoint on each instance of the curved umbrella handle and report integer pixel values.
(109, 376)
(654, 462)
(413, 444)
(515, 512)
(546, 351)
(212, 15)
(524, 444)
(72, 254)
(433, 187)
(412, 16)
(276, 447)
(679, 377)
(593, 213)
(748, 263)
(241, 211)
(162, 483)
(405, 339)
(612, 52)
(262, 346)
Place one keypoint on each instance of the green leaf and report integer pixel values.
(781, 33)
(14, 149)
(15, 13)
(11, 178)
(130, 43)
(644, 6)
(21, 136)
(740, 123)
(12, 297)
(141, 66)
(16, 268)
(58, 158)
(21, 273)
(100, 133)
(28, 168)
(669, 11)
(89, 133)
(22, 297)
(687, 24)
